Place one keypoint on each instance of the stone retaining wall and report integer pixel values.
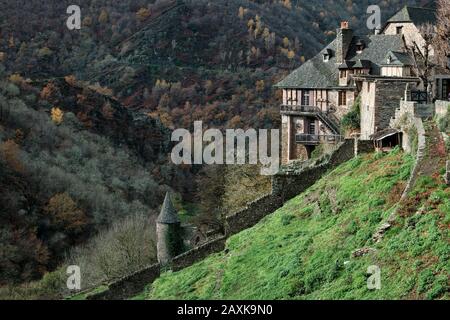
(129, 286)
(442, 108)
(199, 253)
(252, 214)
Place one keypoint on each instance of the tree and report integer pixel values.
(57, 115)
(103, 17)
(241, 13)
(287, 4)
(64, 213)
(44, 52)
(260, 86)
(143, 14)
(291, 54)
(421, 56)
(441, 41)
(10, 152)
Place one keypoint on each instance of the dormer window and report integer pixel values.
(389, 60)
(360, 45)
(327, 55)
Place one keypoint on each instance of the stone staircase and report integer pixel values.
(411, 108)
(327, 120)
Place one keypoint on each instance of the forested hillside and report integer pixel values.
(179, 60)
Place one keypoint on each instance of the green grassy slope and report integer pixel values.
(304, 250)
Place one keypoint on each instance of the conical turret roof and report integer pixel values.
(168, 213)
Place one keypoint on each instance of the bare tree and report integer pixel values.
(421, 53)
(442, 39)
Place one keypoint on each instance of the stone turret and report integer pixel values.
(168, 232)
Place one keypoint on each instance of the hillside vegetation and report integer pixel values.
(305, 249)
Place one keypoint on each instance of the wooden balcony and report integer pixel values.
(299, 110)
(315, 139)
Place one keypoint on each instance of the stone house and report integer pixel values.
(377, 68)
(408, 22)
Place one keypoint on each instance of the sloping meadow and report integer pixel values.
(306, 250)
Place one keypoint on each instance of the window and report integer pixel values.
(306, 98)
(400, 30)
(445, 88)
(312, 127)
(343, 74)
(342, 98)
(292, 97)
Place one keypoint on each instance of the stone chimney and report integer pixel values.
(343, 40)
(168, 231)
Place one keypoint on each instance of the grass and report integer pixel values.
(304, 250)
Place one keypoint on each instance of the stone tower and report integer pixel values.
(168, 232)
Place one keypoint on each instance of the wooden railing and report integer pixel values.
(312, 139)
(299, 108)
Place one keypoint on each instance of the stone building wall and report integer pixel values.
(387, 98)
(367, 110)
(410, 32)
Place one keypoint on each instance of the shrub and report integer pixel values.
(286, 219)
(128, 246)
(352, 120)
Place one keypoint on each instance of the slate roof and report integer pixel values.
(316, 73)
(362, 64)
(416, 15)
(398, 59)
(382, 134)
(168, 213)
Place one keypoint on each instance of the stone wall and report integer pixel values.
(409, 116)
(410, 32)
(130, 285)
(367, 109)
(364, 146)
(387, 98)
(289, 184)
(442, 108)
(135, 283)
(421, 144)
(199, 253)
(252, 214)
